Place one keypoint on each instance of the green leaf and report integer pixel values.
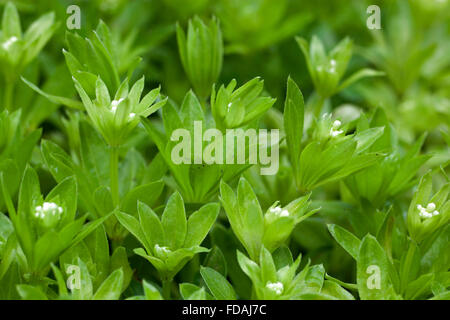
(367, 138)
(85, 290)
(146, 193)
(217, 284)
(66, 191)
(346, 239)
(11, 22)
(199, 224)
(119, 260)
(187, 290)
(98, 244)
(315, 277)
(89, 227)
(133, 226)
(250, 268)
(151, 293)
(56, 160)
(151, 226)
(373, 271)
(294, 109)
(252, 219)
(74, 104)
(268, 269)
(29, 197)
(28, 292)
(6, 229)
(111, 288)
(38, 34)
(46, 250)
(333, 289)
(358, 75)
(174, 221)
(282, 257)
(216, 260)
(62, 286)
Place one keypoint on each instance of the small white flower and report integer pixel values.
(279, 212)
(275, 210)
(114, 105)
(9, 42)
(332, 67)
(161, 251)
(336, 124)
(276, 287)
(162, 248)
(132, 115)
(427, 212)
(48, 208)
(334, 131)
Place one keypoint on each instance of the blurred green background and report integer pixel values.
(412, 48)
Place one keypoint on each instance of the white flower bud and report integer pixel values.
(279, 212)
(276, 287)
(9, 42)
(431, 206)
(332, 68)
(162, 252)
(114, 105)
(336, 124)
(427, 212)
(48, 214)
(334, 131)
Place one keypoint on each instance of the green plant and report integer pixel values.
(255, 229)
(328, 69)
(232, 108)
(195, 181)
(276, 277)
(201, 53)
(170, 241)
(343, 154)
(44, 227)
(19, 49)
(158, 152)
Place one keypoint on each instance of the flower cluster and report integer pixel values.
(279, 212)
(49, 213)
(334, 131)
(276, 287)
(116, 118)
(429, 211)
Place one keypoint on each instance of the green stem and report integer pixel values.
(8, 94)
(114, 175)
(7, 198)
(318, 106)
(204, 103)
(166, 287)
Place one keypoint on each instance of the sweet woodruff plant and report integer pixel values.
(94, 204)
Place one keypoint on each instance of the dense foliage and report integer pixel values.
(93, 204)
